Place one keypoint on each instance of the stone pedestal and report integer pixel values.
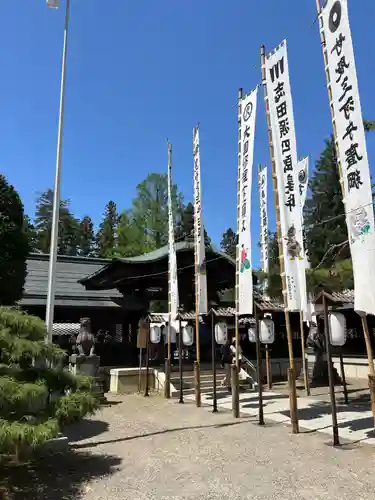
(80, 364)
(317, 370)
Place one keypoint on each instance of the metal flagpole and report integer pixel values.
(291, 369)
(56, 193)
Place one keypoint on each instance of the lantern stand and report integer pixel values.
(259, 366)
(335, 429)
(180, 362)
(343, 378)
(213, 356)
(268, 368)
(147, 389)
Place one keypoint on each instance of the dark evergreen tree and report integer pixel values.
(106, 236)
(14, 244)
(86, 237)
(326, 231)
(274, 285)
(228, 242)
(68, 225)
(185, 226)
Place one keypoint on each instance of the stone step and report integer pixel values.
(206, 390)
(190, 384)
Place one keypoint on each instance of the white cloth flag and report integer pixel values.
(285, 156)
(172, 258)
(246, 132)
(200, 252)
(303, 178)
(351, 151)
(262, 181)
(53, 4)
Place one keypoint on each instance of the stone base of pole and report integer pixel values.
(235, 391)
(293, 401)
(167, 383)
(371, 384)
(197, 383)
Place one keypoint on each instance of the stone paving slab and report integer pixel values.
(355, 422)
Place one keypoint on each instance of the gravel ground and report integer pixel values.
(138, 448)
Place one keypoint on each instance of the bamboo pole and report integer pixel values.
(235, 372)
(180, 360)
(292, 370)
(304, 362)
(366, 333)
(335, 428)
(197, 362)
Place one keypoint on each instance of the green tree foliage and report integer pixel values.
(326, 232)
(144, 227)
(86, 237)
(369, 125)
(274, 285)
(31, 234)
(185, 226)
(130, 236)
(68, 225)
(150, 209)
(14, 244)
(106, 236)
(228, 242)
(28, 414)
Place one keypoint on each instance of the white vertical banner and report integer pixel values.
(262, 183)
(351, 150)
(172, 257)
(285, 156)
(246, 132)
(303, 181)
(200, 252)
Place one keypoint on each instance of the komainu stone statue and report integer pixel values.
(85, 339)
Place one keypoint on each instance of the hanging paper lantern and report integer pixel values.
(221, 333)
(252, 334)
(188, 335)
(337, 328)
(173, 334)
(155, 334)
(267, 331)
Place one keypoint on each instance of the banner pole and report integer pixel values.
(366, 333)
(291, 370)
(259, 367)
(304, 362)
(236, 368)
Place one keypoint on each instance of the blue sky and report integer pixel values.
(139, 72)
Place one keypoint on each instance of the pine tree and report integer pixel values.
(14, 244)
(86, 237)
(105, 238)
(228, 242)
(326, 231)
(28, 416)
(68, 225)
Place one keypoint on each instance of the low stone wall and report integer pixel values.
(126, 380)
(354, 367)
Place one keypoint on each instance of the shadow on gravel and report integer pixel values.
(85, 429)
(54, 476)
(92, 444)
